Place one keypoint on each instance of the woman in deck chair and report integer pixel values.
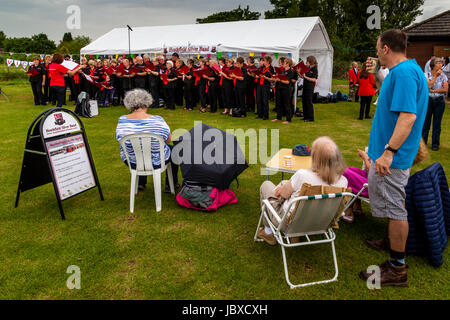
(327, 168)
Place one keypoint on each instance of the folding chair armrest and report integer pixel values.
(266, 204)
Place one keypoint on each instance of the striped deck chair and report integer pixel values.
(312, 216)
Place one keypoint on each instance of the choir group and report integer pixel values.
(235, 85)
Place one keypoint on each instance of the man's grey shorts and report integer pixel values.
(387, 194)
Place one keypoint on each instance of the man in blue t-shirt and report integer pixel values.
(393, 145)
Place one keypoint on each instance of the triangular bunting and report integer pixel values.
(24, 64)
(9, 62)
(17, 63)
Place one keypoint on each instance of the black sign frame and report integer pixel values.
(37, 169)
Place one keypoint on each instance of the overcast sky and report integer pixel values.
(23, 18)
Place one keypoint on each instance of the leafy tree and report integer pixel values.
(346, 20)
(75, 45)
(2, 37)
(237, 14)
(67, 37)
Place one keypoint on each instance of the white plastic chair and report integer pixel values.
(141, 143)
(312, 216)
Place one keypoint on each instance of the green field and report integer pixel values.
(179, 253)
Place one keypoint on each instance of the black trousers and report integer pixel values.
(139, 82)
(154, 91)
(36, 86)
(60, 95)
(364, 109)
(189, 95)
(179, 92)
(202, 94)
(278, 106)
(240, 99)
(228, 95)
(68, 84)
(169, 97)
(262, 101)
(250, 96)
(47, 93)
(220, 96)
(213, 95)
(285, 104)
(308, 107)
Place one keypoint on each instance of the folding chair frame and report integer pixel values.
(284, 242)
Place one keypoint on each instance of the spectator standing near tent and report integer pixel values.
(353, 82)
(309, 83)
(366, 91)
(438, 86)
(393, 144)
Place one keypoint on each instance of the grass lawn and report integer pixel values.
(180, 253)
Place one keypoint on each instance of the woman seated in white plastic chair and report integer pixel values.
(139, 121)
(326, 170)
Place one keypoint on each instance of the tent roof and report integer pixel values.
(268, 35)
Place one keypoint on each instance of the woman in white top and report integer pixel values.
(327, 168)
(438, 85)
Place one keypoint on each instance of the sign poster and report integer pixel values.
(71, 166)
(59, 123)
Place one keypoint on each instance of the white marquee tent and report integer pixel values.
(297, 37)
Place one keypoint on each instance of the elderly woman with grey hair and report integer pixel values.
(138, 101)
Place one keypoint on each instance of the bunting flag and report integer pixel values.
(117, 56)
(24, 64)
(31, 63)
(123, 56)
(198, 56)
(230, 54)
(17, 63)
(276, 55)
(9, 62)
(27, 54)
(251, 54)
(219, 55)
(263, 54)
(289, 54)
(11, 53)
(155, 54)
(42, 56)
(208, 55)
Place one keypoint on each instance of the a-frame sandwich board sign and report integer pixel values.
(57, 151)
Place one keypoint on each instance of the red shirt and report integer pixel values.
(57, 73)
(366, 86)
(352, 76)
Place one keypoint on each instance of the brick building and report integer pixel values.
(429, 37)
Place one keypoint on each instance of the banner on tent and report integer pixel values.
(193, 49)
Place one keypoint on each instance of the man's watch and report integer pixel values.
(388, 147)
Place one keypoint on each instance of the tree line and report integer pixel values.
(41, 44)
(344, 20)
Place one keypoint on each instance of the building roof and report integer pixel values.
(436, 26)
